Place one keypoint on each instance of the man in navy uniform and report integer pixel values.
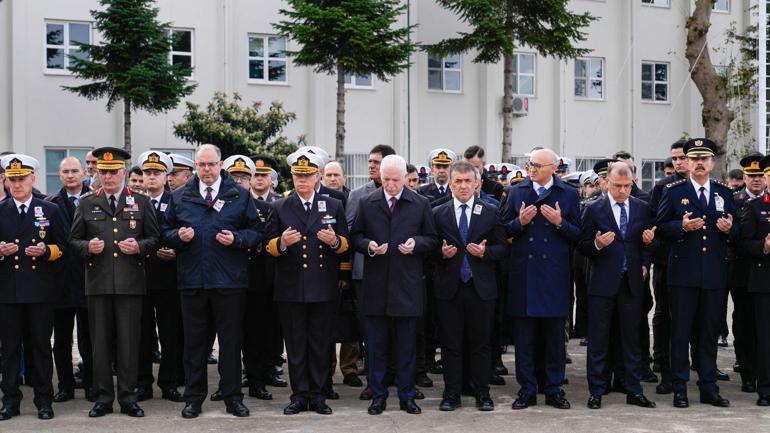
(754, 244)
(394, 228)
(465, 291)
(212, 223)
(440, 159)
(32, 238)
(615, 233)
(307, 234)
(161, 304)
(541, 213)
(181, 171)
(114, 230)
(697, 217)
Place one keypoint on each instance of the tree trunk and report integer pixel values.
(340, 136)
(127, 126)
(507, 107)
(716, 116)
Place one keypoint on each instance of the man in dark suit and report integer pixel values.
(72, 305)
(615, 231)
(161, 307)
(307, 233)
(696, 217)
(755, 245)
(542, 215)
(32, 239)
(114, 230)
(394, 228)
(473, 240)
(212, 223)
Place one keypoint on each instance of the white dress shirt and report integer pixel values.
(458, 211)
(388, 196)
(536, 186)
(26, 204)
(616, 209)
(707, 192)
(214, 188)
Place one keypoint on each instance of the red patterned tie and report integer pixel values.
(393, 201)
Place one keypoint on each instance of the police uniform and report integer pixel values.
(697, 274)
(306, 285)
(28, 289)
(115, 281)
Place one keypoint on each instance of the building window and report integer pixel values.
(52, 159)
(659, 3)
(585, 163)
(355, 81)
(589, 78)
(652, 171)
(182, 49)
(267, 59)
(524, 74)
(722, 6)
(63, 39)
(357, 169)
(445, 73)
(655, 82)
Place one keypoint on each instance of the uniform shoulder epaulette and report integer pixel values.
(719, 182)
(678, 182)
(753, 198)
(88, 194)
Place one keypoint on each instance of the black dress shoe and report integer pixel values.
(500, 370)
(595, 402)
(721, 375)
(352, 379)
(714, 400)
(450, 403)
(216, 396)
(649, 377)
(737, 367)
(639, 400)
(436, 368)
(191, 410)
(45, 412)
(418, 395)
(295, 407)
(497, 380)
(132, 410)
(680, 400)
(409, 406)
(99, 410)
(260, 392)
(276, 381)
(62, 396)
(763, 400)
(484, 403)
(331, 394)
(366, 394)
(143, 394)
(524, 401)
(584, 342)
(378, 406)
(664, 388)
(557, 401)
(236, 408)
(211, 360)
(172, 395)
(8, 412)
(424, 381)
(320, 408)
(749, 387)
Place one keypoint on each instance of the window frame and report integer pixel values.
(518, 73)
(190, 54)
(654, 5)
(68, 151)
(266, 59)
(66, 46)
(443, 69)
(353, 85)
(721, 11)
(654, 82)
(643, 180)
(588, 79)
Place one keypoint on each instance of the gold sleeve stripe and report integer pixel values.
(510, 241)
(272, 247)
(346, 266)
(343, 245)
(56, 252)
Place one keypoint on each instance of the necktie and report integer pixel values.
(393, 201)
(702, 197)
(540, 191)
(112, 204)
(623, 230)
(209, 199)
(73, 200)
(23, 210)
(308, 205)
(441, 190)
(465, 268)
(260, 198)
(154, 203)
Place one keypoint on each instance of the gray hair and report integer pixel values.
(464, 167)
(203, 147)
(393, 161)
(551, 154)
(620, 169)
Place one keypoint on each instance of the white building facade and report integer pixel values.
(631, 92)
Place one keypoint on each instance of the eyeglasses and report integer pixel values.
(207, 164)
(241, 178)
(536, 166)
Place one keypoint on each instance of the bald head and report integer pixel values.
(542, 165)
(334, 176)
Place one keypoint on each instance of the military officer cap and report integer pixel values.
(274, 177)
(588, 177)
(572, 178)
(423, 171)
(154, 160)
(764, 163)
(263, 164)
(442, 156)
(564, 164)
(304, 163)
(751, 163)
(700, 147)
(321, 153)
(110, 158)
(602, 167)
(239, 164)
(18, 165)
(181, 163)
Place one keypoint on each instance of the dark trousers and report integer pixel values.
(378, 345)
(203, 310)
(745, 334)
(600, 321)
(465, 326)
(581, 303)
(552, 331)
(161, 307)
(35, 323)
(115, 320)
(661, 323)
(762, 309)
(258, 327)
(307, 328)
(63, 323)
(695, 310)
